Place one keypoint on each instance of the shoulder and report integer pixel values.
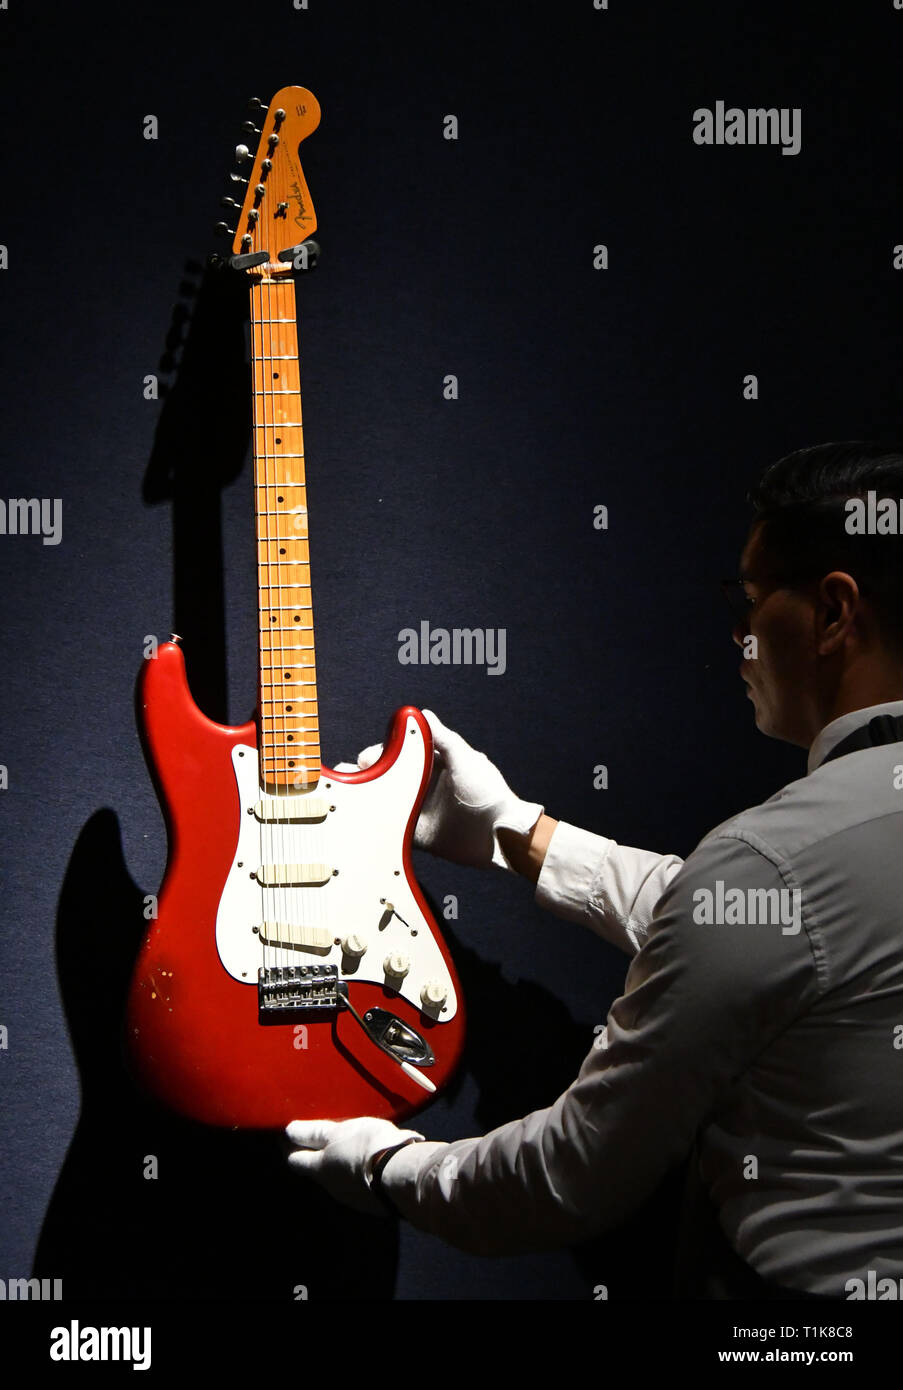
(839, 797)
(740, 918)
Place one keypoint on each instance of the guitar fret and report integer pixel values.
(297, 699)
(294, 755)
(281, 764)
(278, 762)
(281, 761)
(299, 729)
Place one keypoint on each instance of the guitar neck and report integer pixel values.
(289, 735)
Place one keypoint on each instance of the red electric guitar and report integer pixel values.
(293, 970)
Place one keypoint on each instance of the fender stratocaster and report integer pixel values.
(293, 969)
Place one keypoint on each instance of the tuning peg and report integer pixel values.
(237, 178)
(255, 104)
(250, 127)
(229, 203)
(222, 230)
(242, 153)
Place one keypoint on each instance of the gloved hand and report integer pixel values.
(340, 1153)
(468, 801)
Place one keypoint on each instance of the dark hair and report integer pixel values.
(800, 501)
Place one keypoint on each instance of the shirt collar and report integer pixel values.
(838, 729)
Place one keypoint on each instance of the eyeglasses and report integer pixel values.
(740, 601)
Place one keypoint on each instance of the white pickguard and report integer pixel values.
(361, 839)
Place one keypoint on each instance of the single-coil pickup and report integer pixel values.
(274, 810)
(293, 935)
(292, 875)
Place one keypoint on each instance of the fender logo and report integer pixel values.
(302, 214)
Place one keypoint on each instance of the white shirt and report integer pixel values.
(777, 1042)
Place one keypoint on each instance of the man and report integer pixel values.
(762, 1016)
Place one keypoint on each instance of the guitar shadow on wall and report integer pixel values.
(226, 1216)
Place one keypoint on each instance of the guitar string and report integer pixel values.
(262, 544)
(277, 311)
(300, 895)
(293, 910)
(314, 834)
(272, 898)
(256, 476)
(305, 896)
(281, 891)
(291, 901)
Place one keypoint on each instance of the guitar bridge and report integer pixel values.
(284, 988)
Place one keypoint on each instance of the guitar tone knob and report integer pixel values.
(353, 944)
(397, 965)
(433, 994)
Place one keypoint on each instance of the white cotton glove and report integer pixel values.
(339, 1154)
(468, 801)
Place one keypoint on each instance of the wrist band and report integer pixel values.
(376, 1176)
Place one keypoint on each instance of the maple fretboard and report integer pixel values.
(289, 738)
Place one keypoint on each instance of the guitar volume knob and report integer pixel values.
(397, 965)
(434, 994)
(354, 944)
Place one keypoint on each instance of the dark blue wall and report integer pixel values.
(578, 387)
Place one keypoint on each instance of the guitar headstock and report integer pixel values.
(277, 213)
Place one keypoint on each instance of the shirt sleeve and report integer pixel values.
(610, 888)
(703, 998)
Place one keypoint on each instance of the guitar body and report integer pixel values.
(198, 1036)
